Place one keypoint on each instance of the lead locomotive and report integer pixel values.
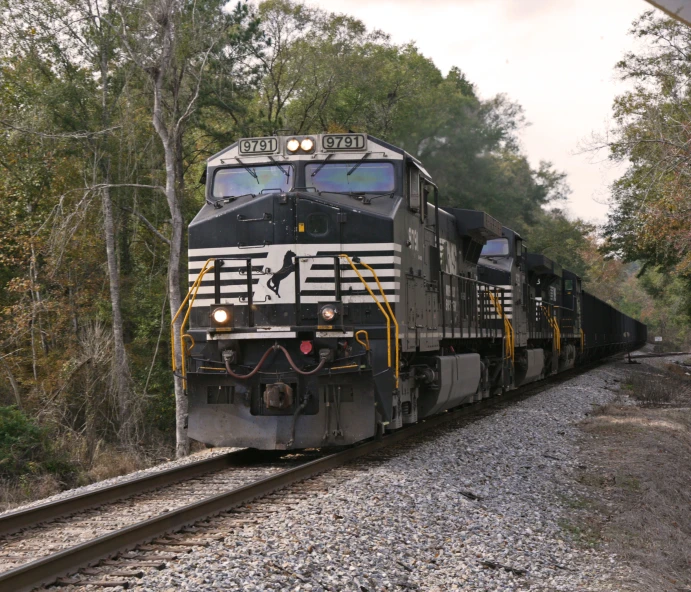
(332, 298)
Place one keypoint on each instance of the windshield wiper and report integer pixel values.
(360, 193)
(286, 173)
(492, 258)
(365, 196)
(321, 166)
(230, 198)
(358, 163)
(248, 169)
(367, 199)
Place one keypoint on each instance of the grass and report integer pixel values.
(28, 486)
(112, 462)
(85, 467)
(577, 502)
(585, 535)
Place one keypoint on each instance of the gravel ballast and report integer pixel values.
(479, 507)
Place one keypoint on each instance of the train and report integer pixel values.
(332, 299)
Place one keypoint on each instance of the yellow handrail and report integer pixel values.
(365, 343)
(555, 327)
(191, 292)
(381, 308)
(582, 341)
(393, 316)
(192, 342)
(508, 328)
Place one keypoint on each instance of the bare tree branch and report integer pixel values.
(118, 185)
(13, 381)
(57, 136)
(148, 224)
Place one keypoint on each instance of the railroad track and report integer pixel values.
(135, 521)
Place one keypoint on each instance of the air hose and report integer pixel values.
(298, 411)
(294, 367)
(266, 355)
(256, 368)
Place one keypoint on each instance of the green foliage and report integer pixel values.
(669, 315)
(651, 211)
(326, 72)
(26, 448)
(562, 239)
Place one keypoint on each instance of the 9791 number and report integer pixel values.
(258, 145)
(343, 142)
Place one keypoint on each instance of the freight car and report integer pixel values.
(332, 298)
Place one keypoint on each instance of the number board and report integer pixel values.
(258, 145)
(344, 142)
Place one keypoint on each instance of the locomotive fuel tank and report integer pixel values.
(454, 380)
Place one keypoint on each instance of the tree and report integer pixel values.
(170, 42)
(327, 72)
(563, 240)
(71, 49)
(652, 211)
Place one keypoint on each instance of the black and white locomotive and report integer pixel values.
(332, 298)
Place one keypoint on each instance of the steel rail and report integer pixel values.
(659, 355)
(21, 519)
(48, 569)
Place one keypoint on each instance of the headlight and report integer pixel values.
(328, 313)
(222, 316)
(292, 145)
(307, 144)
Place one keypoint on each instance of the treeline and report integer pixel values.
(651, 214)
(108, 110)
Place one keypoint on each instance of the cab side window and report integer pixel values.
(414, 195)
(419, 192)
(427, 195)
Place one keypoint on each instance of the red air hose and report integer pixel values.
(263, 359)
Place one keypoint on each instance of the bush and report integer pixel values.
(653, 390)
(26, 448)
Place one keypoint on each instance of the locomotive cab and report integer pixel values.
(503, 263)
(276, 267)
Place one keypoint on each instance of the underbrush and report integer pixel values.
(110, 462)
(635, 470)
(38, 461)
(659, 387)
(32, 462)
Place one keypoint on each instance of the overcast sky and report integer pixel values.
(554, 57)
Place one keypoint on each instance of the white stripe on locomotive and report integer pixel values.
(272, 259)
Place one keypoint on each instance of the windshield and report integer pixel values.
(252, 179)
(497, 247)
(362, 177)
